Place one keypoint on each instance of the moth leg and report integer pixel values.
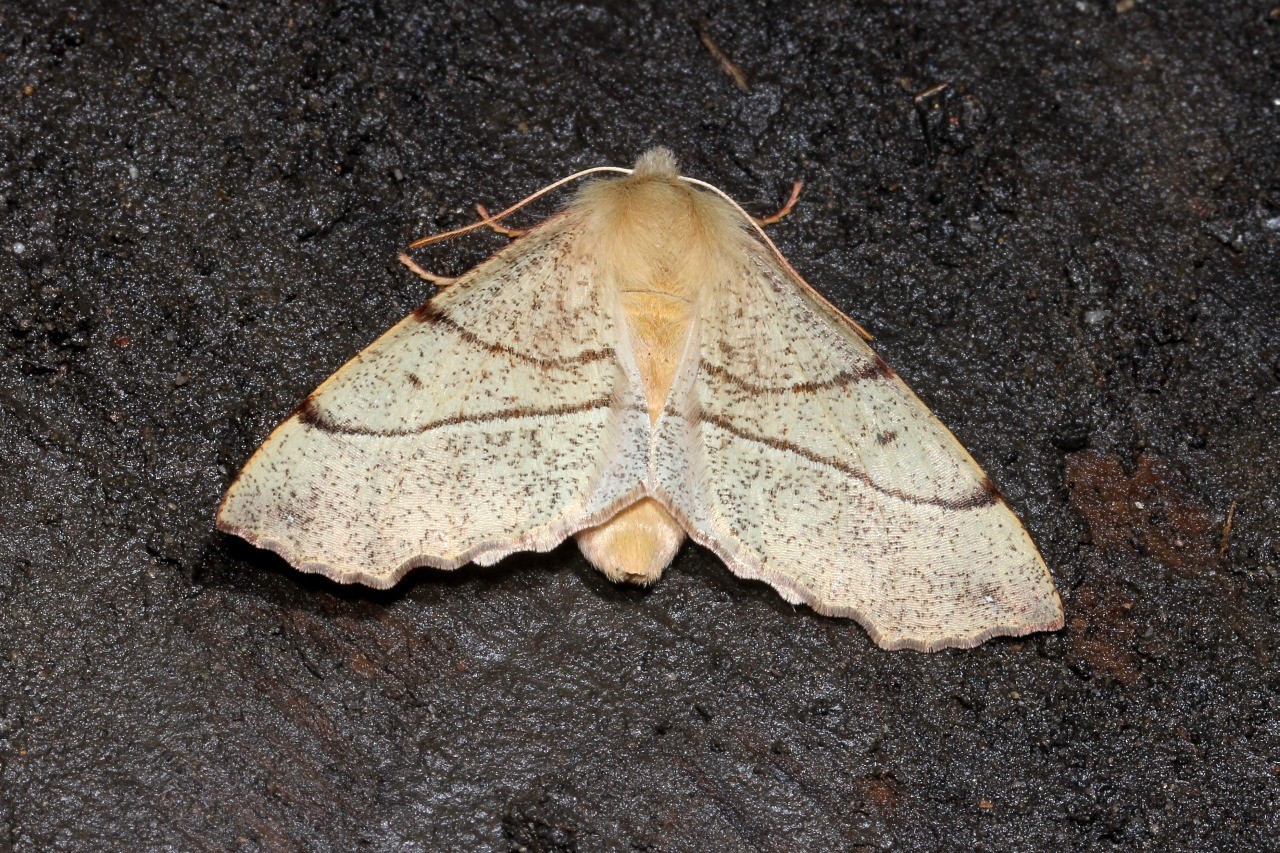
(786, 208)
(497, 226)
(437, 280)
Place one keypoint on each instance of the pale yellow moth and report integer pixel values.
(642, 367)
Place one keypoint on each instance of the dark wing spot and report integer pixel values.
(306, 411)
(880, 368)
(427, 312)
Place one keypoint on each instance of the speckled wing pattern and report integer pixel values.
(791, 450)
(501, 416)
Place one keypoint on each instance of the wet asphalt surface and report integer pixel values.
(1071, 251)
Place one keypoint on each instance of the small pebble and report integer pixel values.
(1095, 316)
(133, 173)
(1272, 224)
(19, 248)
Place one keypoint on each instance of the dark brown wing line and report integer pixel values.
(985, 495)
(428, 312)
(874, 370)
(308, 413)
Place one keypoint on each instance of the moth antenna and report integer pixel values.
(777, 253)
(437, 280)
(501, 229)
(435, 238)
(786, 208)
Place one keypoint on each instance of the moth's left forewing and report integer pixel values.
(503, 415)
(790, 449)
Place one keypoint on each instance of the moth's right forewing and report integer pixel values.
(503, 415)
(790, 449)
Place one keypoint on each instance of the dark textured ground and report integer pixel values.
(1072, 253)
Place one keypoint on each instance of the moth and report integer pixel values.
(643, 367)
